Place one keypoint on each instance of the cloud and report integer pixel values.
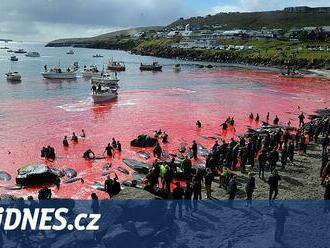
(73, 16)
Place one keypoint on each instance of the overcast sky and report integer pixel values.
(45, 20)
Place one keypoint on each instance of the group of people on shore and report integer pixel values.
(266, 149)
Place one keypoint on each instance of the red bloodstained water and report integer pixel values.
(28, 125)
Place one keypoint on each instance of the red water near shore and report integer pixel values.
(27, 126)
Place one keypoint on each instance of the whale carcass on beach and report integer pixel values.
(36, 174)
(137, 165)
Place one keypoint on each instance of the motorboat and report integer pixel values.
(91, 71)
(155, 66)
(10, 51)
(104, 91)
(4, 47)
(116, 66)
(105, 78)
(20, 51)
(70, 52)
(32, 54)
(177, 68)
(97, 56)
(13, 76)
(291, 73)
(57, 73)
(13, 58)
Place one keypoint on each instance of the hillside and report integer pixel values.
(101, 41)
(285, 19)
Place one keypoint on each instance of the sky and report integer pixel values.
(46, 20)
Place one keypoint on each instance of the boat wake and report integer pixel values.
(80, 106)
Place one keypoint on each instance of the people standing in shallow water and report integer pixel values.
(194, 149)
(65, 141)
(276, 120)
(198, 124)
(118, 146)
(301, 118)
(267, 117)
(109, 150)
(48, 153)
(257, 117)
(251, 116)
(74, 137)
(157, 151)
(83, 135)
(114, 143)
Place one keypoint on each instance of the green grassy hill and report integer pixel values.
(257, 20)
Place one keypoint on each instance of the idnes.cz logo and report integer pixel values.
(46, 219)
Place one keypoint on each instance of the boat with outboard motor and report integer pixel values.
(57, 73)
(155, 66)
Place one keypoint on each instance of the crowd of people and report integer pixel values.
(259, 152)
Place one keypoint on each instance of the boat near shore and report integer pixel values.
(32, 54)
(20, 51)
(116, 66)
(71, 52)
(13, 58)
(155, 66)
(97, 56)
(13, 76)
(57, 73)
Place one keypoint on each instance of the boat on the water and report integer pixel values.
(13, 76)
(292, 73)
(75, 66)
(155, 66)
(106, 78)
(20, 51)
(70, 52)
(32, 54)
(91, 71)
(116, 66)
(13, 58)
(4, 47)
(177, 68)
(97, 56)
(104, 91)
(10, 50)
(57, 73)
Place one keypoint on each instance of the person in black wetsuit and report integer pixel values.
(157, 151)
(198, 124)
(116, 186)
(109, 150)
(276, 120)
(273, 182)
(74, 137)
(114, 143)
(108, 186)
(118, 146)
(301, 118)
(194, 149)
(65, 141)
(89, 154)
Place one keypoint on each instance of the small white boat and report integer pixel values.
(70, 52)
(32, 54)
(58, 73)
(13, 76)
(105, 95)
(91, 71)
(104, 92)
(97, 56)
(106, 78)
(13, 58)
(20, 51)
(177, 68)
